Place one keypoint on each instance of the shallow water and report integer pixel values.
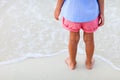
(28, 29)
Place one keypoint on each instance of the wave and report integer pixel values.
(58, 53)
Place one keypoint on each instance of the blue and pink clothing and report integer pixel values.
(80, 14)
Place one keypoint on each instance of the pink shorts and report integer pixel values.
(88, 27)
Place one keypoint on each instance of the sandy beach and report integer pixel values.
(54, 68)
(33, 46)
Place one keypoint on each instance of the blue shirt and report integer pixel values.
(80, 10)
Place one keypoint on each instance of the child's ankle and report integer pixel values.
(71, 64)
(89, 63)
(89, 60)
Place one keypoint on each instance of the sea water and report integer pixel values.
(28, 30)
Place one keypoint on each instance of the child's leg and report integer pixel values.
(73, 42)
(89, 45)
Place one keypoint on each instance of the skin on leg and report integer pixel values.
(89, 46)
(73, 42)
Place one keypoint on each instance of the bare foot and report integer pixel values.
(89, 64)
(70, 64)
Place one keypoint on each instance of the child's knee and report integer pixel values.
(88, 38)
(75, 38)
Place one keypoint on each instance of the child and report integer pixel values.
(87, 15)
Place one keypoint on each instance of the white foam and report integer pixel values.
(108, 62)
(30, 55)
(58, 53)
